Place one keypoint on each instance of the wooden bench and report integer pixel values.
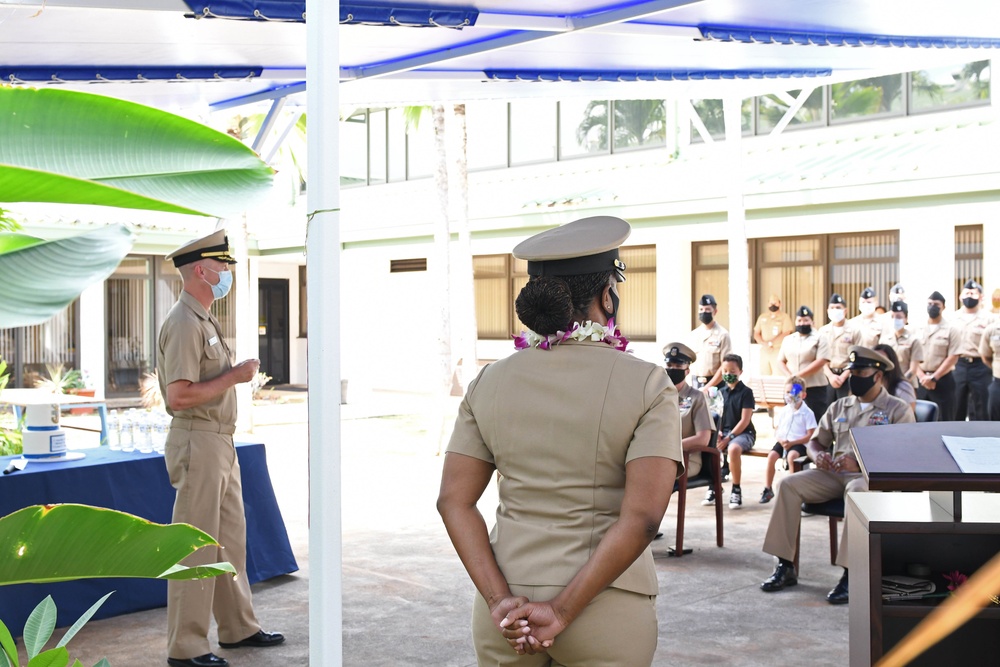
(768, 393)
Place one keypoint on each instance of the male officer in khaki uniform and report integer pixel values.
(800, 356)
(972, 376)
(989, 350)
(868, 323)
(696, 421)
(940, 344)
(901, 337)
(197, 382)
(562, 425)
(836, 472)
(769, 332)
(836, 338)
(710, 342)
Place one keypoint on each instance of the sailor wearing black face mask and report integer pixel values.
(803, 354)
(697, 423)
(940, 343)
(972, 376)
(711, 343)
(836, 472)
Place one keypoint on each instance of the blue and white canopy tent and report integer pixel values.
(178, 54)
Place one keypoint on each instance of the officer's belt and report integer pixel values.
(969, 360)
(202, 425)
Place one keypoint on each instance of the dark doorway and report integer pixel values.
(272, 329)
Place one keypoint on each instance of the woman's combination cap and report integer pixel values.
(863, 357)
(584, 246)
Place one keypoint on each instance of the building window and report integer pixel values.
(865, 98)
(968, 256)
(772, 108)
(941, 88)
(27, 350)
(863, 260)
(532, 131)
(354, 150)
(638, 124)
(583, 128)
(499, 278)
(129, 323)
(793, 269)
(710, 266)
(407, 265)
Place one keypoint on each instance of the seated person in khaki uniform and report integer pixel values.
(583, 436)
(696, 421)
(836, 472)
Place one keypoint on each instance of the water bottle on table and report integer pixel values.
(114, 431)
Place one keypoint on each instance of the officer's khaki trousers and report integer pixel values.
(617, 628)
(204, 470)
(808, 486)
(769, 361)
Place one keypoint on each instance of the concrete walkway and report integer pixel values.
(407, 599)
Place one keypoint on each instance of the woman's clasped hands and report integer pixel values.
(532, 627)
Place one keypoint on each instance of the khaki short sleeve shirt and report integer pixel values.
(970, 328)
(938, 342)
(191, 347)
(710, 345)
(560, 426)
(989, 347)
(848, 413)
(836, 343)
(907, 346)
(798, 351)
(869, 330)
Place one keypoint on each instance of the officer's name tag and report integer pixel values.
(214, 340)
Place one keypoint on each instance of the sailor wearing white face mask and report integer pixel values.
(868, 324)
(836, 338)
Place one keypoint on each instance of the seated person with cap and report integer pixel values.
(837, 471)
(796, 424)
(696, 421)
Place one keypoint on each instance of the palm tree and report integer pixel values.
(636, 123)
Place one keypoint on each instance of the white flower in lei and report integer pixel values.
(587, 331)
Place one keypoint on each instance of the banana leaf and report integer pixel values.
(47, 543)
(79, 148)
(40, 278)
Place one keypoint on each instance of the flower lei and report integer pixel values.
(587, 331)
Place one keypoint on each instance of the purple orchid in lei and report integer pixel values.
(587, 331)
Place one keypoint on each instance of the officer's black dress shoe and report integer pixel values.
(259, 639)
(207, 660)
(783, 575)
(839, 593)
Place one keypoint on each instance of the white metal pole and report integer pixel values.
(323, 303)
(739, 255)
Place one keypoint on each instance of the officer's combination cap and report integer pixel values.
(863, 357)
(803, 311)
(899, 307)
(678, 353)
(936, 296)
(836, 298)
(214, 246)
(868, 293)
(707, 300)
(584, 246)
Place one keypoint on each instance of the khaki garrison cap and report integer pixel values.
(584, 246)
(214, 246)
(678, 353)
(863, 357)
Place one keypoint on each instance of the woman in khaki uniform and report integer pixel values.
(800, 355)
(584, 437)
(989, 351)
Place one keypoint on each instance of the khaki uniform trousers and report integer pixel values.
(204, 470)
(808, 486)
(617, 628)
(769, 361)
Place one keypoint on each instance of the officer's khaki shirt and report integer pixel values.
(989, 346)
(907, 347)
(710, 346)
(560, 425)
(847, 413)
(868, 330)
(970, 327)
(938, 344)
(836, 342)
(771, 325)
(694, 417)
(191, 347)
(798, 351)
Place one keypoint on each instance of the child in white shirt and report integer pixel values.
(795, 429)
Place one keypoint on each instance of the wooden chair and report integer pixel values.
(709, 475)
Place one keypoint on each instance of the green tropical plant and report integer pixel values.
(10, 439)
(105, 543)
(60, 379)
(637, 122)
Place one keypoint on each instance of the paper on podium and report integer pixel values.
(974, 454)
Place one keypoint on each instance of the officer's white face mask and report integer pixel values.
(866, 308)
(220, 289)
(835, 314)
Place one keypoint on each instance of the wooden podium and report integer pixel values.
(935, 525)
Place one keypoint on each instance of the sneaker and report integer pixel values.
(735, 499)
(709, 498)
(766, 495)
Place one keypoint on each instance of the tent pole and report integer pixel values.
(739, 255)
(323, 294)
